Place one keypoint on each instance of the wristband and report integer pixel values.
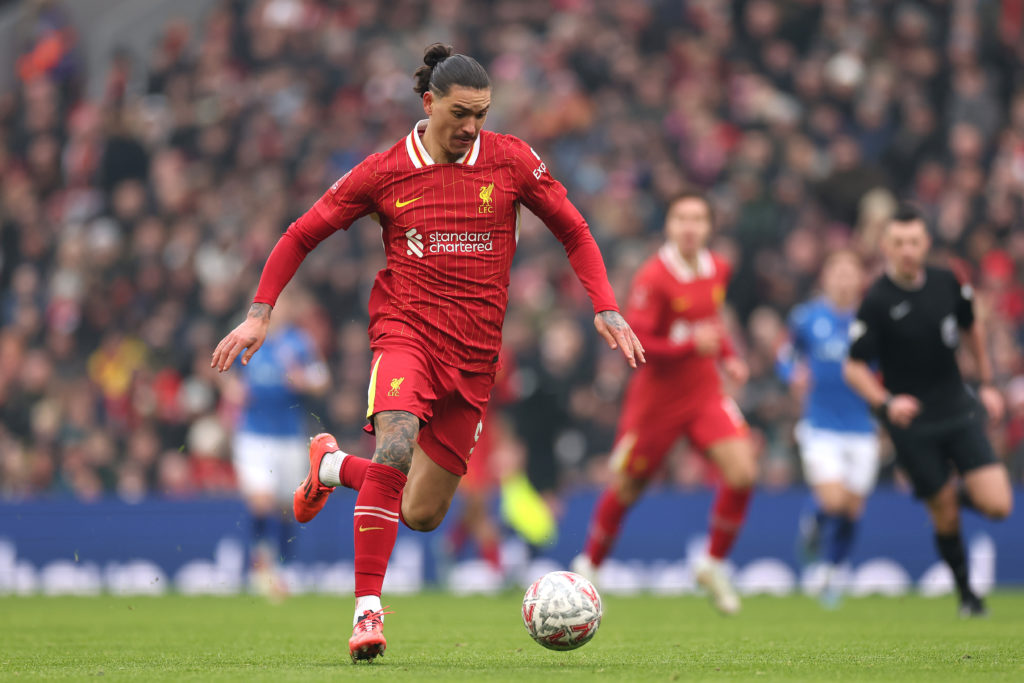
(882, 409)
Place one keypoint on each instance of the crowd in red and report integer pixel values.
(133, 225)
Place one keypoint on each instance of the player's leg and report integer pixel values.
(990, 491)
(722, 433)
(375, 525)
(637, 455)
(821, 457)
(928, 467)
(253, 458)
(859, 454)
(986, 482)
(399, 380)
(944, 510)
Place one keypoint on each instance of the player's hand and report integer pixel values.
(248, 335)
(992, 399)
(902, 410)
(619, 335)
(707, 337)
(736, 370)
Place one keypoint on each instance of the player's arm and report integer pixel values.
(789, 358)
(545, 196)
(735, 368)
(335, 210)
(974, 341)
(901, 409)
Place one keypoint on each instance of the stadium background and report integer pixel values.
(149, 162)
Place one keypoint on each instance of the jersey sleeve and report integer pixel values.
(866, 329)
(349, 198)
(794, 348)
(346, 200)
(964, 294)
(536, 188)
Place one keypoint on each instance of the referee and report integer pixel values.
(911, 322)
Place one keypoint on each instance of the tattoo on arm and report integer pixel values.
(259, 311)
(396, 438)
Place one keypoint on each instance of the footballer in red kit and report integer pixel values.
(675, 307)
(447, 198)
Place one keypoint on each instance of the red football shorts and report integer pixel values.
(646, 433)
(449, 402)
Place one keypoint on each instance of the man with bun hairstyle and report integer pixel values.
(447, 197)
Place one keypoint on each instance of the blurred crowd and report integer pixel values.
(135, 224)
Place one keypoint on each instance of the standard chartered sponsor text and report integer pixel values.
(459, 242)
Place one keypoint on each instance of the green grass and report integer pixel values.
(436, 637)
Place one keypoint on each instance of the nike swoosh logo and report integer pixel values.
(399, 203)
(371, 528)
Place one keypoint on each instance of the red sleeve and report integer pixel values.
(647, 306)
(538, 191)
(545, 196)
(348, 199)
(727, 349)
(573, 232)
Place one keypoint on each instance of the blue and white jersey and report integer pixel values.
(273, 407)
(819, 338)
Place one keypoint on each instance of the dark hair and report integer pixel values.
(907, 212)
(444, 69)
(692, 194)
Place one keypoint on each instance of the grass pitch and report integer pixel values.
(437, 637)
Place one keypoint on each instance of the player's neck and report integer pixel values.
(842, 304)
(690, 259)
(435, 150)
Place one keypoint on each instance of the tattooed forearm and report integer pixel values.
(259, 311)
(613, 320)
(396, 436)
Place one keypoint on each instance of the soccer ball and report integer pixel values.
(562, 610)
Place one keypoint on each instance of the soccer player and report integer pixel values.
(911, 322)
(270, 443)
(837, 436)
(674, 304)
(447, 197)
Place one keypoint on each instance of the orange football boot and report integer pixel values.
(311, 495)
(367, 639)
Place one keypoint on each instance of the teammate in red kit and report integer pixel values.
(447, 198)
(674, 305)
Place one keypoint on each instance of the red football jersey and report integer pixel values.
(667, 298)
(450, 232)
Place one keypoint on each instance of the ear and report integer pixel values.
(428, 102)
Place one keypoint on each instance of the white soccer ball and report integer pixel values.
(562, 610)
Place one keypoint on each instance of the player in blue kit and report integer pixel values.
(271, 442)
(837, 436)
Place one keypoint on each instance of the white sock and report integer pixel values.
(330, 468)
(366, 602)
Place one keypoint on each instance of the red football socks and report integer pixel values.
(604, 526)
(353, 471)
(375, 525)
(728, 512)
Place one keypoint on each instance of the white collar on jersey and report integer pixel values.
(678, 266)
(418, 153)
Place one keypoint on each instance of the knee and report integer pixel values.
(423, 516)
(628, 489)
(997, 508)
(396, 452)
(741, 474)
